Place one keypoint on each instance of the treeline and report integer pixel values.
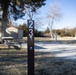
(63, 32)
(25, 31)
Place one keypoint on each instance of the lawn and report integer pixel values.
(14, 62)
(48, 64)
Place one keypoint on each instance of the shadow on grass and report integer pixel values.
(57, 42)
(39, 47)
(14, 62)
(47, 64)
(16, 47)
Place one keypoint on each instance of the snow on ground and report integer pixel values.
(65, 51)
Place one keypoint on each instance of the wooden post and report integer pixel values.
(30, 47)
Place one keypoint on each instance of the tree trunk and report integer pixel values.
(4, 18)
(0, 29)
(51, 25)
(51, 34)
(4, 23)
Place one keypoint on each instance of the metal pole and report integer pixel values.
(30, 47)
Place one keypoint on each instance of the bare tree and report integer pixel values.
(39, 23)
(29, 13)
(54, 15)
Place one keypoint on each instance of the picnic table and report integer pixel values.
(7, 40)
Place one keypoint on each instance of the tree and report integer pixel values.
(16, 9)
(73, 32)
(54, 15)
(24, 28)
(39, 23)
(47, 30)
(32, 6)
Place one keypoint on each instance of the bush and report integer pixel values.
(60, 32)
(72, 32)
(39, 34)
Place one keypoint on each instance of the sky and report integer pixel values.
(68, 9)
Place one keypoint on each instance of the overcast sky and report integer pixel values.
(68, 8)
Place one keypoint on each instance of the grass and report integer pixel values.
(14, 62)
(48, 64)
(48, 38)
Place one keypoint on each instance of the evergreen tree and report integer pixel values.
(17, 9)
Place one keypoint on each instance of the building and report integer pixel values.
(11, 31)
(14, 32)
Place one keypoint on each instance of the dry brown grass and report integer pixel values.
(14, 62)
(48, 64)
(48, 38)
